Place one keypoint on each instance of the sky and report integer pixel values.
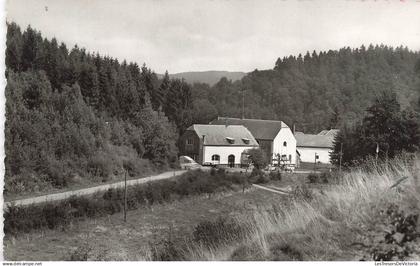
(232, 35)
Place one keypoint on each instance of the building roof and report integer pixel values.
(231, 135)
(331, 132)
(260, 129)
(315, 141)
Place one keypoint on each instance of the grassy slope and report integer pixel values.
(330, 226)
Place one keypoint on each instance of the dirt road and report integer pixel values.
(92, 190)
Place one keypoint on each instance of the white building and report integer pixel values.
(274, 137)
(217, 144)
(315, 148)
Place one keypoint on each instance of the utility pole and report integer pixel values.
(316, 155)
(125, 195)
(377, 153)
(341, 155)
(243, 104)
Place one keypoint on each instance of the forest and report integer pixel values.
(320, 90)
(73, 113)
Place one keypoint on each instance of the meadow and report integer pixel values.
(368, 213)
(371, 213)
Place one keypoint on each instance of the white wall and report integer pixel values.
(285, 134)
(307, 154)
(224, 152)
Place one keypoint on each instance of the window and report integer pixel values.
(215, 159)
(230, 140)
(290, 157)
(190, 142)
(285, 144)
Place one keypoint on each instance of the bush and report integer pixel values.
(313, 178)
(275, 175)
(56, 174)
(221, 231)
(101, 165)
(258, 177)
(325, 177)
(401, 229)
(262, 179)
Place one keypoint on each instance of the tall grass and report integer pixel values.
(328, 226)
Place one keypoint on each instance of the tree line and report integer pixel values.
(320, 90)
(70, 112)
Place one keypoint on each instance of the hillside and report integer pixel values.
(209, 77)
(77, 118)
(319, 90)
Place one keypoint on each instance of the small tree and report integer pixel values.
(258, 158)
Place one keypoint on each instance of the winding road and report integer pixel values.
(92, 190)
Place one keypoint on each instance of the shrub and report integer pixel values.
(56, 173)
(313, 178)
(401, 229)
(262, 179)
(275, 175)
(325, 177)
(101, 165)
(221, 231)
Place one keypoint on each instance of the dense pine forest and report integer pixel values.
(71, 113)
(319, 90)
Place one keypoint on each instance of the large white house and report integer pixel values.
(217, 144)
(315, 147)
(274, 137)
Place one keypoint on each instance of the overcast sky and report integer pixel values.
(234, 35)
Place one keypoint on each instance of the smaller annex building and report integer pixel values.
(313, 148)
(217, 144)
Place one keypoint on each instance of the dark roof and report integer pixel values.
(260, 129)
(236, 135)
(310, 140)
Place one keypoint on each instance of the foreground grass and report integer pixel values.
(351, 220)
(109, 238)
(340, 221)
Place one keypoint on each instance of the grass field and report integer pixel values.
(112, 239)
(353, 219)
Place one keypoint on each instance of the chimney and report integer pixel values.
(294, 128)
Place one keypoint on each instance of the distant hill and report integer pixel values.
(209, 77)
